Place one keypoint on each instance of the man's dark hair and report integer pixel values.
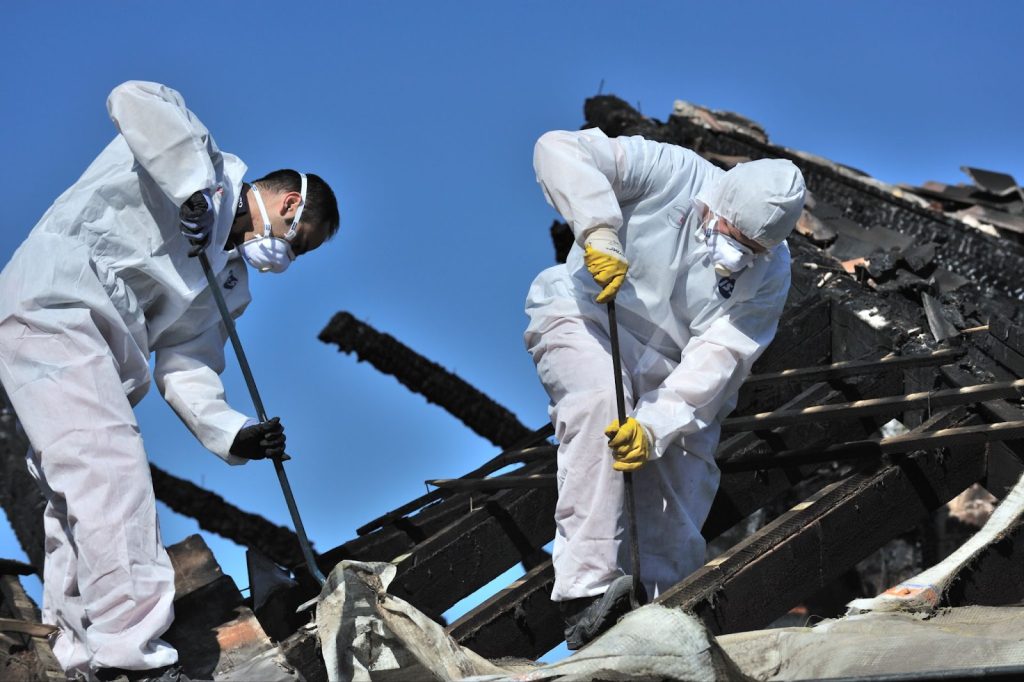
(321, 207)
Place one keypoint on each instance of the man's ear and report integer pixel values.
(290, 203)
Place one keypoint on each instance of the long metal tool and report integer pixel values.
(261, 413)
(627, 476)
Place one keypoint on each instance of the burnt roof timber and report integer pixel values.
(522, 621)
(850, 368)
(215, 514)
(16, 603)
(876, 449)
(536, 627)
(403, 529)
(766, 574)
(515, 454)
(420, 375)
(510, 527)
(503, 482)
(443, 562)
(889, 405)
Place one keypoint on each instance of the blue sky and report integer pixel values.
(423, 116)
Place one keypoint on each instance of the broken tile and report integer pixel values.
(1000, 184)
(941, 328)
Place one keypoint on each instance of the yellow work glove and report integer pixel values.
(606, 261)
(629, 444)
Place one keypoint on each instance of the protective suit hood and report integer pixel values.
(762, 198)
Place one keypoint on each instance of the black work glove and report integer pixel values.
(259, 441)
(196, 217)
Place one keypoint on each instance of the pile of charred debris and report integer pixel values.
(876, 436)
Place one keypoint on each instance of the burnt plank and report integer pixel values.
(456, 561)
(420, 375)
(401, 535)
(889, 405)
(16, 603)
(800, 552)
(522, 621)
(851, 368)
(516, 453)
(992, 411)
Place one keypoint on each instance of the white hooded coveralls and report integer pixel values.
(103, 280)
(688, 340)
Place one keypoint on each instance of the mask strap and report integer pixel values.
(707, 229)
(294, 229)
(263, 211)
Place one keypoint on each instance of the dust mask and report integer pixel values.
(728, 255)
(268, 253)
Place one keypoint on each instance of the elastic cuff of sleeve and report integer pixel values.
(606, 240)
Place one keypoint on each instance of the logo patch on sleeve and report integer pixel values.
(725, 286)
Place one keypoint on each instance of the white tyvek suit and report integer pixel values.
(686, 346)
(103, 280)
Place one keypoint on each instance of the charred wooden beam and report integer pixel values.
(874, 449)
(520, 452)
(872, 407)
(14, 602)
(13, 567)
(399, 537)
(508, 528)
(522, 621)
(801, 551)
(399, 531)
(993, 410)
(217, 515)
(429, 379)
(496, 483)
(803, 337)
(851, 368)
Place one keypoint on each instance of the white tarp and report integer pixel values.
(884, 643)
(367, 634)
(924, 592)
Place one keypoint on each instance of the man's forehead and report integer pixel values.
(737, 234)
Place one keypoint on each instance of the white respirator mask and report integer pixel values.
(268, 253)
(728, 255)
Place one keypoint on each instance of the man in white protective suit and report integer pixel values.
(696, 260)
(105, 278)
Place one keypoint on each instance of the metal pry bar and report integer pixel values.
(261, 413)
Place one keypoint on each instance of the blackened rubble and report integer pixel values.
(993, 204)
